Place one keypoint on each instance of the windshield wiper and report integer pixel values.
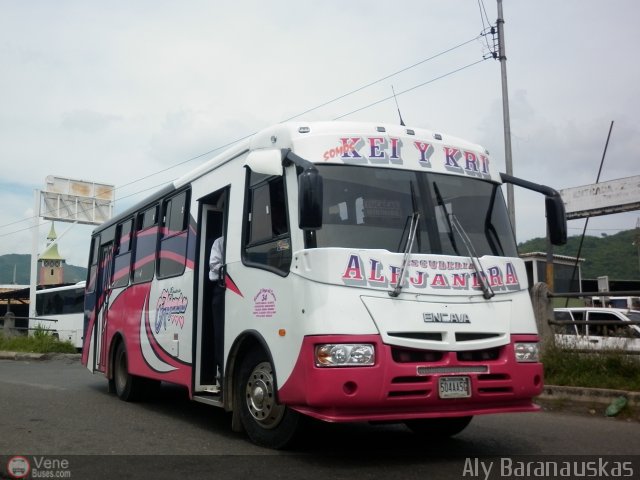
(446, 216)
(454, 224)
(415, 218)
(414, 205)
(487, 291)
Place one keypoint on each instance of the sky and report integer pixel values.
(135, 94)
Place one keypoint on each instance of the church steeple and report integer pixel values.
(52, 233)
(50, 261)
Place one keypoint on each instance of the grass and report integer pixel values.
(40, 342)
(607, 369)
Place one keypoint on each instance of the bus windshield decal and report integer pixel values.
(379, 150)
(434, 274)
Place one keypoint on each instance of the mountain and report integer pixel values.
(612, 255)
(22, 264)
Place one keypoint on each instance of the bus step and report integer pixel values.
(209, 399)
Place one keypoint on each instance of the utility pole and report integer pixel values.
(33, 277)
(502, 56)
(636, 242)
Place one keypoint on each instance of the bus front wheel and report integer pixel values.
(266, 422)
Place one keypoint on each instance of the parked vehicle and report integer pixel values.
(597, 328)
(60, 310)
(631, 303)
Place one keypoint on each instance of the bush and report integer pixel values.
(602, 369)
(40, 342)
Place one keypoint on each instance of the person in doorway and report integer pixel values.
(216, 259)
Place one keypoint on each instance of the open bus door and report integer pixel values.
(213, 212)
(102, 295)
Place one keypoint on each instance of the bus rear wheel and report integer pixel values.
(438, 427)
(266, 422)
(128, 387)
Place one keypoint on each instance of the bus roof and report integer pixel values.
(72, 286)
(364, 143)
(339, 142)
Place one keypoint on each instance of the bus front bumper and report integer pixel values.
(397, 387)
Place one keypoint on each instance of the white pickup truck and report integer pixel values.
(598, 329)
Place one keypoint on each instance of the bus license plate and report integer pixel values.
(454, 387)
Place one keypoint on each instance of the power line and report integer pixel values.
(288, 119)
(484, 10)
(135, 181)
(324, 104)
(412, 88)
(482, 18)
(139, 180)
(22, 229)
(383, 78)
(228, 144)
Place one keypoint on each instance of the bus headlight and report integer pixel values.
(527, 352)
(345, 355)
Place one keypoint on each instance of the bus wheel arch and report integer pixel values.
(128, 387)
(254, 401)
(113, 347)
(244, 343)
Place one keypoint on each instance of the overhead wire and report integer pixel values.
(228, 144)
(482, 18)
(382, 79)
(324, 104)
(412, 88)
(22, 229)
(317, 107)
(136, 181)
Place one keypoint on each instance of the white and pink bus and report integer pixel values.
(370, 274)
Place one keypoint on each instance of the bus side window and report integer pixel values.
(267, 238)
(145, 245)
(173, 243)
(122, 261)
(93, 265)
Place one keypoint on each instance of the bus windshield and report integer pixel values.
(371, 208)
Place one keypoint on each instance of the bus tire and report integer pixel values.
(438, 427)
(266, 422)
(128, 387)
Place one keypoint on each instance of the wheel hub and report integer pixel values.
(260, 397)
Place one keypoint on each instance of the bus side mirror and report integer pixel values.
(556, 219)
(310, 199)
(554, 206)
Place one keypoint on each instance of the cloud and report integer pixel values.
(88, 121)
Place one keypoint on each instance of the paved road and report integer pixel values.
(57, 409)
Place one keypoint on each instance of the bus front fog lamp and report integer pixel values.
(344, 355)
(527, 352)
